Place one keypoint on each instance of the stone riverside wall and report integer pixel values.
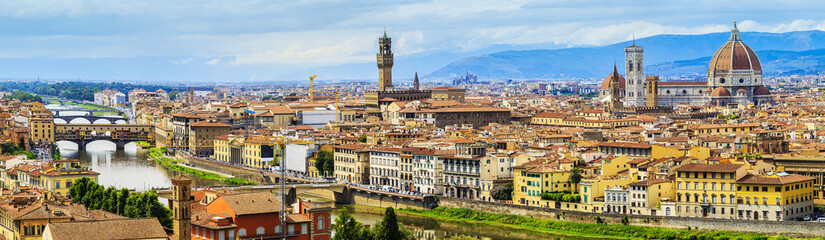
(787, 228)
(249, 175)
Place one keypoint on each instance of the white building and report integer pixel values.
(384, 168)
(616, 200)
(296, 157)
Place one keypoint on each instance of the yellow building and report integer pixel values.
(41, 124)
(536, 177)
(352, 163)
(59, 177)
(657, 152)
(707, 190)
(612, 167)
(258, 151)
(592, 191)
(202, 135)
(645, 196)
(723, 129)
(775, 197)
(229, 148)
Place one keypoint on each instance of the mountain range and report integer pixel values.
(798, 52)
(666, 55)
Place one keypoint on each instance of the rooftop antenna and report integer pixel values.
(634, 40)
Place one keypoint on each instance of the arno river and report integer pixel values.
(130, 169)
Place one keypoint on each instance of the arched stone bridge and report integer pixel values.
(96, 119)
(120, 134)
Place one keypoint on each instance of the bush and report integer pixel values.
(561, 196)
(625, 221)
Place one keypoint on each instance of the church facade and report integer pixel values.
(734, 77)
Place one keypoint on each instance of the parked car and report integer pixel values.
(806, 218)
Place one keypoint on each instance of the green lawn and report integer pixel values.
(53, 102)
(105, 114)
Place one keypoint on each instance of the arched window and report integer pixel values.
(630, 65)
(241, 232)
(260, 231)
(639, 67)
(321, 222)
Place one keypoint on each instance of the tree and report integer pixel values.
(389, 229)
(504, 192)
(173, 95)
(362, 139)
(21, 142)
(347, 228)
(121, 201)
(575, 177)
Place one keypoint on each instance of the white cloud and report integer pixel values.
(213, 61)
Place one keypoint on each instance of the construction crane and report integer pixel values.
(335, 93)
(311, 88)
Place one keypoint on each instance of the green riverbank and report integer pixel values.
(580, 229)
(157, 154)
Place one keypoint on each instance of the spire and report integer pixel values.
(415, 82)
(734, 33)
(634, 39)
(385, 32)
(615, 73)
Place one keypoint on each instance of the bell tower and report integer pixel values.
(385, 61)
(615, 92)
(181, 214)
(652, 86)
(634, 76)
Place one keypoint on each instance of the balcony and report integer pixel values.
(461, 173)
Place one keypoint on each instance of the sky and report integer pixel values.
(304, 34)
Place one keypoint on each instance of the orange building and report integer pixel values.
(256, 216)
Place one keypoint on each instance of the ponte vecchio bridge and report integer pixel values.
(120, 134)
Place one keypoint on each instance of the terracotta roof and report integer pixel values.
(607, 81)
(648, 182)
(209, 124)
(734, 55)
(252, 203)
(720, 92)
(698, 167)
(149, 228)
(773, 180)
(624, 145)
(297, 218)
(761, 91)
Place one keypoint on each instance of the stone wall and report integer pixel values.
(249, 175)
(787, 228)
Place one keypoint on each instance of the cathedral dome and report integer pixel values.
(741, 90)
(720, 92)
(609, 78)
(761, 91)
(734, 55)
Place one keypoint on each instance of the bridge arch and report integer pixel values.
(79, 120)
(121, 121)
(65, 145)
(59, 120)
(102, 121)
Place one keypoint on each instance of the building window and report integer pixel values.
(242, 232)
(304, 228)
(259, 231)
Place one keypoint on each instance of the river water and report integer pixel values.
(131, 169)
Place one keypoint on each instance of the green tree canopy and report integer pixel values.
(347, 228)
(389, 228)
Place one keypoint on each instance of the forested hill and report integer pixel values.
(78, 90)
